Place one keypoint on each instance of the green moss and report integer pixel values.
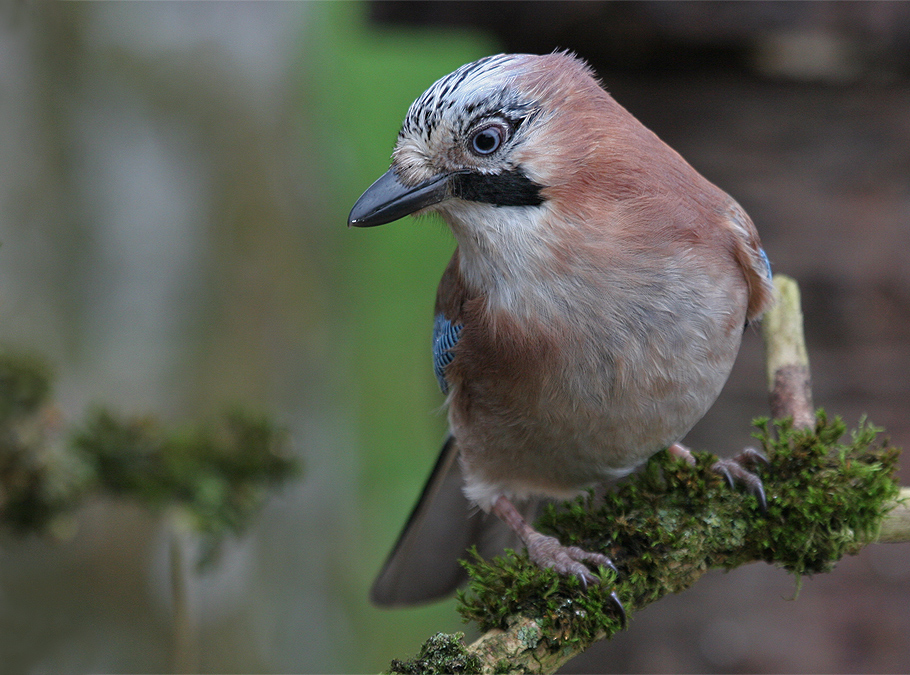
(668, 524)
(30, 497)
(509, 585)
(440, 654)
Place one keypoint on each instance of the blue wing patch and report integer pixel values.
(445, 337)
(764, 256)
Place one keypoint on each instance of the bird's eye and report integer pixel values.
(486, 141)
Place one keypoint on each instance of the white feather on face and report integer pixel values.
(505, 245)
(434, 135)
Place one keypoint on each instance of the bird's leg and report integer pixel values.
(546, 551)
(734, 470)
(680, 451)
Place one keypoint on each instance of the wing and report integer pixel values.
(447, 326)
(445, 337)
(752, 259)
(423, 565)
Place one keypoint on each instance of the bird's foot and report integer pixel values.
(548, 553)
(735, 471)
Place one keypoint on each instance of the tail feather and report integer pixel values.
(423, 565)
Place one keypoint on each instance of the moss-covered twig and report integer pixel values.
(213, 481)
(216, 477)
(827, 496)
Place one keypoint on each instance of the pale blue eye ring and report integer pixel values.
(487, 140)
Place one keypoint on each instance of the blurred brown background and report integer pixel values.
(174, 182)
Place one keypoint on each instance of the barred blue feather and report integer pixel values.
(445, 337)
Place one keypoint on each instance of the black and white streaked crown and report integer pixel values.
(475, 90)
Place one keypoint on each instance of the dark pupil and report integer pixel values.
(486, 141)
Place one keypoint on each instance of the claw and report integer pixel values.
(725, 472)
(610, 566)
(620, 610)
(759, 492)
(735, 472)
(753, 456)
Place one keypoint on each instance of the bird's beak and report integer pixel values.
(389, 199)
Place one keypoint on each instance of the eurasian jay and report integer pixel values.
(588, 318)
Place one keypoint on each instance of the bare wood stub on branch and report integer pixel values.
(789, 382)
(896, 525)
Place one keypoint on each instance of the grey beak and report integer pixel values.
(389, 199)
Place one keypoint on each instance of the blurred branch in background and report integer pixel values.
(819, 41)
(211, 482)
(162, 245)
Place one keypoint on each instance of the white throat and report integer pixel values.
(506, 254)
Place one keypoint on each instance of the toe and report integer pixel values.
(680, 451)
(547, 552)
(752, 456)
(597, 559)
(734, 472)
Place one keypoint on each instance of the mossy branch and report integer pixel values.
(829, 494)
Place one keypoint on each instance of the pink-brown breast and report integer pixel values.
(618, 330)
(551, 406)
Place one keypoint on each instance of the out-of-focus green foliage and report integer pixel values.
(24, 386)
(218, 477)
(30, 492)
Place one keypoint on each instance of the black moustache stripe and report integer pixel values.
(511, 188)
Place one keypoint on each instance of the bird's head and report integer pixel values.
(511, 131)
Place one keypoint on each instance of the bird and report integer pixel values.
(589, 316)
